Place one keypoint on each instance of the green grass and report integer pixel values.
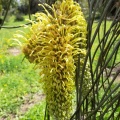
(35, 113)
(18, 78)
(6, 35)
(16, 81)
(96, 42)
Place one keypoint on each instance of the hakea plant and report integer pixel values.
(54, 43)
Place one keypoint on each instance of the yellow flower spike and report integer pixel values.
(53, 45)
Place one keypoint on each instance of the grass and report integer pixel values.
(35, 113)
(18, 78)
(7, 34)
(16, 81)
(96, 42)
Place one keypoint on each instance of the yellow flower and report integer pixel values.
(21, 80)
(2, 61)
(5, 85)
(54, 43)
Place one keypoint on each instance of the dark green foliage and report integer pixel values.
(6, 2)
(30, 7)
(19, 17)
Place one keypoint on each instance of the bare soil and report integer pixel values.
(113, 73)
(29, 101)
(14, 51)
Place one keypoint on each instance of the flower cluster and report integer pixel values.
(54, 43)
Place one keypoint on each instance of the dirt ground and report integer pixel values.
(29, 101)
(14, 51)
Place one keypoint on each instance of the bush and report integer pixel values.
(19, 17)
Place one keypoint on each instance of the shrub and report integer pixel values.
(19, 17)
